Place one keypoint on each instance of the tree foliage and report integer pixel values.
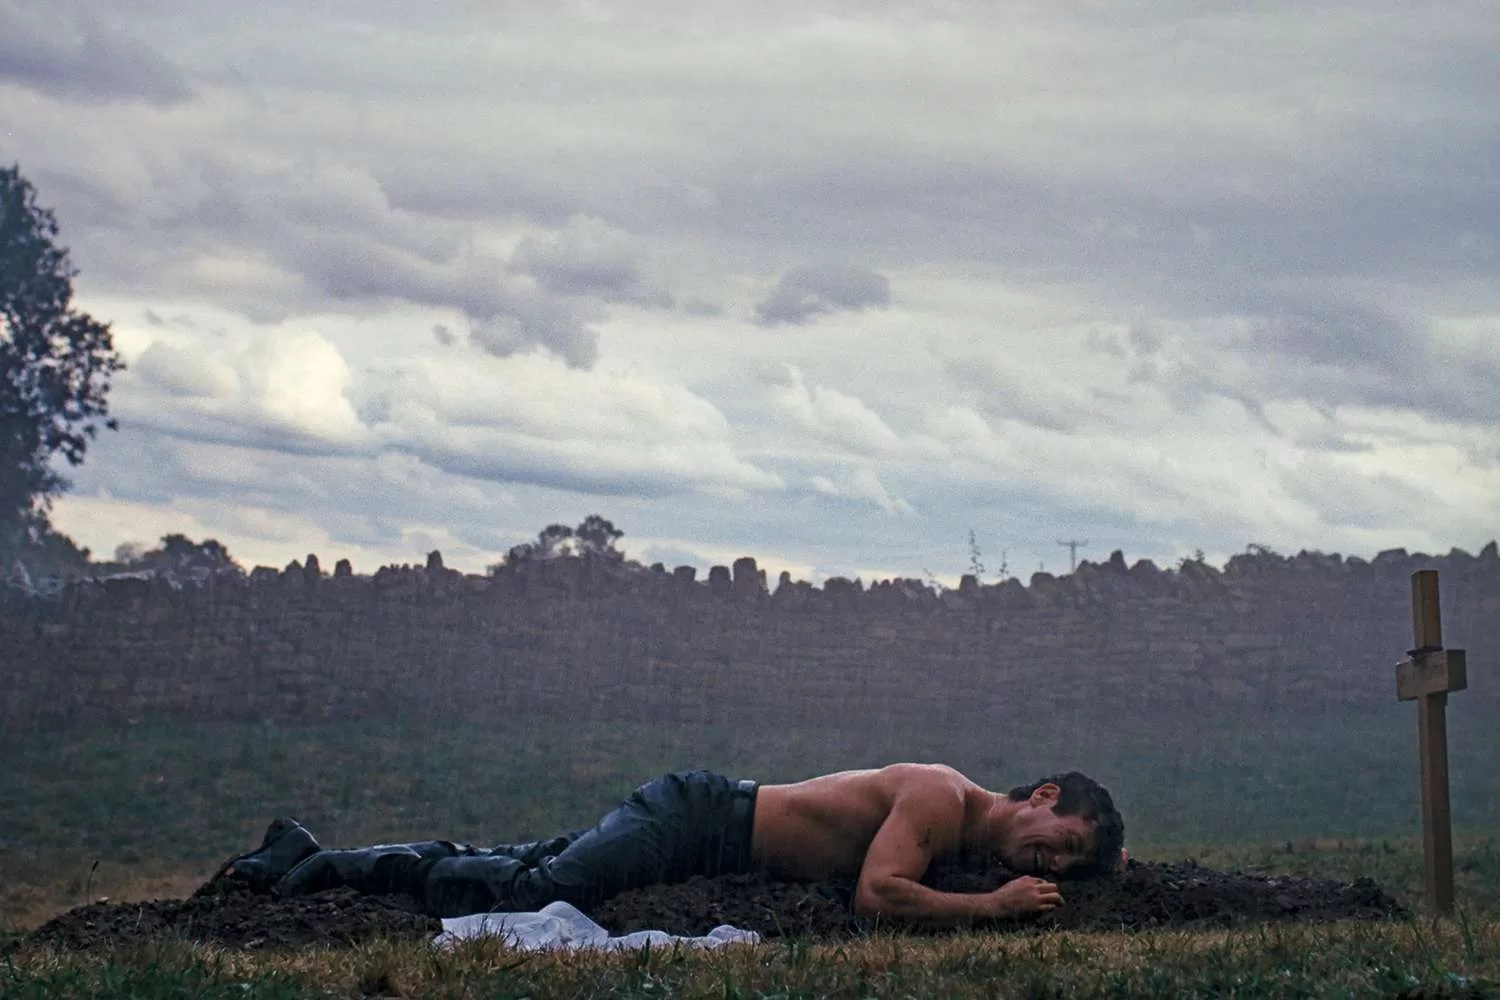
(594, 536)
(55, 366)
(176, 554)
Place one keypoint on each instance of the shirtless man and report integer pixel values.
(884, 827)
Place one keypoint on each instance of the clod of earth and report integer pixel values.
(1145, 895)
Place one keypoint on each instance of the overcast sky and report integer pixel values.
(823, 283)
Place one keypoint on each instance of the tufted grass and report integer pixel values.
(1340, 960)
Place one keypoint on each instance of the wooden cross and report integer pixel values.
(1427, 675)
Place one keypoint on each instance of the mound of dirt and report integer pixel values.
(234, 917)
(1145, 895)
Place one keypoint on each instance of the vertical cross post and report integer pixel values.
(1427, 676)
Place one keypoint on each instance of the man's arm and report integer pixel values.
(926, 820)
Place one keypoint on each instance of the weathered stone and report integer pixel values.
(1291, 630)
(749, 580)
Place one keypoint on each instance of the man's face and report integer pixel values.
(1044, 843)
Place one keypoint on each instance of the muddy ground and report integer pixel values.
(1145, 895)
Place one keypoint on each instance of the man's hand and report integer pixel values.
(1024, 896)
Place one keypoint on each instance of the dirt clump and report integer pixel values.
(753, 902)
(232, 916)
(1145, 895)
(1152, 894)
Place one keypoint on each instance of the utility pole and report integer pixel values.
(1072, 545)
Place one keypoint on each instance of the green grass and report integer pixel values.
(1348, 960)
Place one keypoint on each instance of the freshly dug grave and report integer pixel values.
(1145, 895)
(228, 914)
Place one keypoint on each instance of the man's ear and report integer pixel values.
(1045, 795)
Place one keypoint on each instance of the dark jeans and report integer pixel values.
(668, 830)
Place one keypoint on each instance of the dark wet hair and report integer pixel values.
(1082, 796)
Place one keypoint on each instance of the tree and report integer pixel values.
(177, 554)
(596, 536)
(55, 366)
(181, 554)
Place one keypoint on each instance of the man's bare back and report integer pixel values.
(822, 827)
(887, 825)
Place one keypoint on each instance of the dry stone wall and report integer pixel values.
(590, 639)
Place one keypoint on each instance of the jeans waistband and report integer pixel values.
(742, 802)
(741, 823)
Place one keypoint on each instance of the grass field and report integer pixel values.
(147, 811)
(1355, 961)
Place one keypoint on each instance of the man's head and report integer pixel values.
(1067, 823)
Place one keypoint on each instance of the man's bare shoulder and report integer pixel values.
(924, 781)
(925, 774)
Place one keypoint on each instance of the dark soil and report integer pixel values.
(230, 915)
(1145, 895)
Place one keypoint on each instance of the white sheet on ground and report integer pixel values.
(563, 927)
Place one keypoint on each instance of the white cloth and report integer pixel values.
(562, 927)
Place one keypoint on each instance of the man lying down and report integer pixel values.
(882, 826)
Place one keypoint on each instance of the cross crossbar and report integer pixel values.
(1433, 671)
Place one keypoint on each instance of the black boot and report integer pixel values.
(382, 870)
(285, 845)
(533, 852)
(493, 883)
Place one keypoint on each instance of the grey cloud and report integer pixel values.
(360, 499)
(76, 58)
(484, 536)
(333, 237)
(181, 373)
(803, 293)
(1342, 496)
(534, 467)
(1100, 342)
(1326, 354)
(1006, 394)
(587, 257)
(526, 317)
(1360, 204)
(1346, 160)
(230, 429)
(700, 307)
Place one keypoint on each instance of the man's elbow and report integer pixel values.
(873, 900)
